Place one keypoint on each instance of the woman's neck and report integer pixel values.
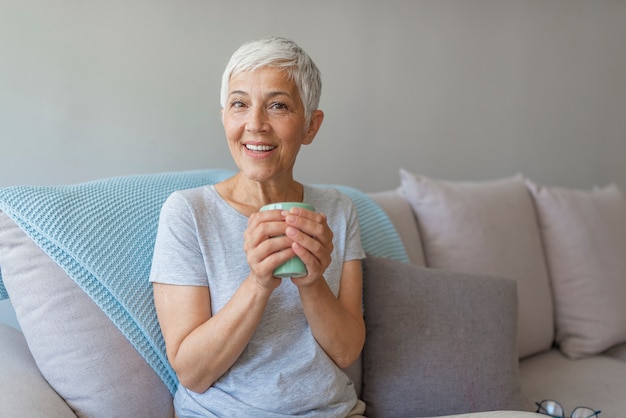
(247, 195)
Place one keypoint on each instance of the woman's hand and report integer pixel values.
(274, 236)
(311, 240)
(266, 246)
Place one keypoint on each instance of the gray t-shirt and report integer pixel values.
(283, 371)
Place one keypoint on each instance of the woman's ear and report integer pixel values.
(314, 125)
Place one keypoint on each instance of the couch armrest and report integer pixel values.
(23, 390)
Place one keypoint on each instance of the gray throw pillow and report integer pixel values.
(438, 342)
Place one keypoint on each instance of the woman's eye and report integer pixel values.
(278, 106)
(237, 104)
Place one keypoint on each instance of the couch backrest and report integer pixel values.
(402, 217)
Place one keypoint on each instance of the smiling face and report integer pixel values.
(265, 124)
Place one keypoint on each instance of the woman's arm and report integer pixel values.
(336, 322)
(201, 347)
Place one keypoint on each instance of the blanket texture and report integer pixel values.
(102, 234)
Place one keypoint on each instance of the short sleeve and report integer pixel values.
(177, 255)
(354, 248)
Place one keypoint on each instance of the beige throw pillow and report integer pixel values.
(488, 228)
(78, 350)
(584, 232)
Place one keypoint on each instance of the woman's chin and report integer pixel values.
(262, 174)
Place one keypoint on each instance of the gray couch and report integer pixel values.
(469, 325)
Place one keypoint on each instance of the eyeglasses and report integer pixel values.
(555, 410)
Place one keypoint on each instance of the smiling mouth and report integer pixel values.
(259, 148)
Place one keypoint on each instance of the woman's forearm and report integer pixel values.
(339, 331)
(210, 349)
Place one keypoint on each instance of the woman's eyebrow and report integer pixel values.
(278, 93)
(238, 92)
(269, 95)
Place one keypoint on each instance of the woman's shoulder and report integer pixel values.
(323, 192)
(189, 198)
(327, 199)
(195, 193)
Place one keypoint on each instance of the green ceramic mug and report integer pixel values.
(294, 267)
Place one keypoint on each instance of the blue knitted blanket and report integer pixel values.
(102, 234)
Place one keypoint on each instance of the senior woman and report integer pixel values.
(243, 342)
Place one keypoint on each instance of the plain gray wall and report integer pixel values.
(452, 89)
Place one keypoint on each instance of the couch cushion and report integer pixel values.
(84, 357)
(596, 382)
(488, 228)
(437, 342)
(401, 214)
(23, 390)
(584, 233)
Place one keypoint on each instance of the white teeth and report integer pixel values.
(259, 147)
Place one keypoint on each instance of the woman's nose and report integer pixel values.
(257, 120)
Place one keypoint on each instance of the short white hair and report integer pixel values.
(280, 53)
